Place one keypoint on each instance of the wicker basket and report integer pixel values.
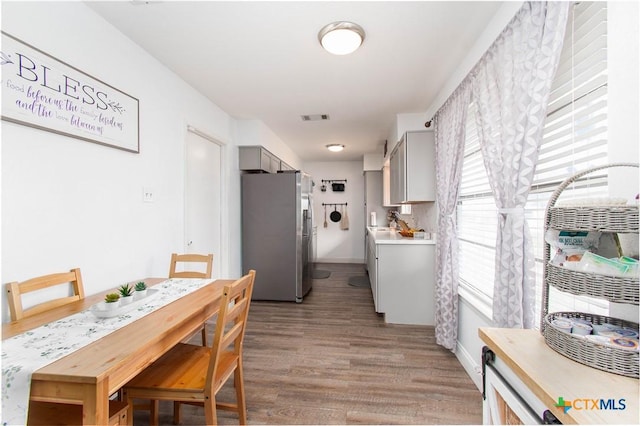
(613, 360)
(613, 289)
(617, 218)
(623, 219)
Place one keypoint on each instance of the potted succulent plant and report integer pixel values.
(126, 294)
(141, 290)
(111, 301)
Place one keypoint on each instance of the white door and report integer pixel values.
(203, 198)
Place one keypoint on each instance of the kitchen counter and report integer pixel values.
(383, 235)
(549, 375)
(402, 275)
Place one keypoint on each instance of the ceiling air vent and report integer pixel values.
(315, 117)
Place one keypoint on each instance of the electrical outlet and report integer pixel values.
(147, 195)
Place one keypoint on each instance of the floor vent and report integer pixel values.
(315, 117)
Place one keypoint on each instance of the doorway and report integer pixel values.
(203, 197)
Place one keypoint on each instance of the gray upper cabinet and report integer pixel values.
(397, 172)
(386, 185)
(412, 168)
(257, 158)
(285, 166)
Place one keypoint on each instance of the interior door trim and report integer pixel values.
(223, 259)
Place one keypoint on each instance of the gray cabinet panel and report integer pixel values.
(412, 168)
(405, 283)
(257, 158)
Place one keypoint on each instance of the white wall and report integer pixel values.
(500, 20)
(69, 203)
(404, 122)
(373, 162)
(333, 244)
(469, 347)
(255, 132)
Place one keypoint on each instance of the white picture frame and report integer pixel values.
(45, 93)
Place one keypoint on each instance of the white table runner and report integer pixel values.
(27, 352)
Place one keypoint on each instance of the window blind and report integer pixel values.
(574, 139)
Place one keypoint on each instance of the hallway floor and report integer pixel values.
(333, 360)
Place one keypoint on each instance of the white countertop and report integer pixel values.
(383, 235)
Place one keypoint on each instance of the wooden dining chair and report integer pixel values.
(206, 260)
(50, 413)
(194, 374)
(15, 290)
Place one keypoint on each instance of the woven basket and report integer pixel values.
(613, 289)
(623, 219)
(619, 219)
(613, 360)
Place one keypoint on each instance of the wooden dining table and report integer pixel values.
(91, 374)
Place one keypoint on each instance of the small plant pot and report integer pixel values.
(140, 294)
(111, 306)
(125, 300)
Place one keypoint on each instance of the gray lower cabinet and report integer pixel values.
(402, 278)
(372, 269)
(405, 281)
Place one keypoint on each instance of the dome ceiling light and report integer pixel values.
(341, 38)
(335, 147)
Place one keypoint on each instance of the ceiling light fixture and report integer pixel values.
(341, 38)
(335, 147)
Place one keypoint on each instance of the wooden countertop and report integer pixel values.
(551, 375)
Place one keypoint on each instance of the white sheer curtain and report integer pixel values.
(450, 132)
(511, 85)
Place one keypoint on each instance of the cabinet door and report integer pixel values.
(265, 160)
(397, 174)
(254, 158)
(366, 250)
(386, 186)
(508, 401)
(406, 283)
(275, 164)
(373, 272)
(394, 164)
(285, 166)
(420, 166)
(373, 197)
(249, 158)
(402, 173)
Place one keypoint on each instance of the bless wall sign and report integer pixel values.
(42, 92)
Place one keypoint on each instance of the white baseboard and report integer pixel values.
(338, 260)
(470, 364)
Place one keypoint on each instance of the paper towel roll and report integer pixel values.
(373, 219)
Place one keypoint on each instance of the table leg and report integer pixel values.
(94, 397)
(95, 405)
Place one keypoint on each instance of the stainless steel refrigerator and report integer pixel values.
(277, 234)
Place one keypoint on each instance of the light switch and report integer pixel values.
(147, 195)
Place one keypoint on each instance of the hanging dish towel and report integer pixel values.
(344, 223)
(325, 216)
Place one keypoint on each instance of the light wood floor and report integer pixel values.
(333, 360)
